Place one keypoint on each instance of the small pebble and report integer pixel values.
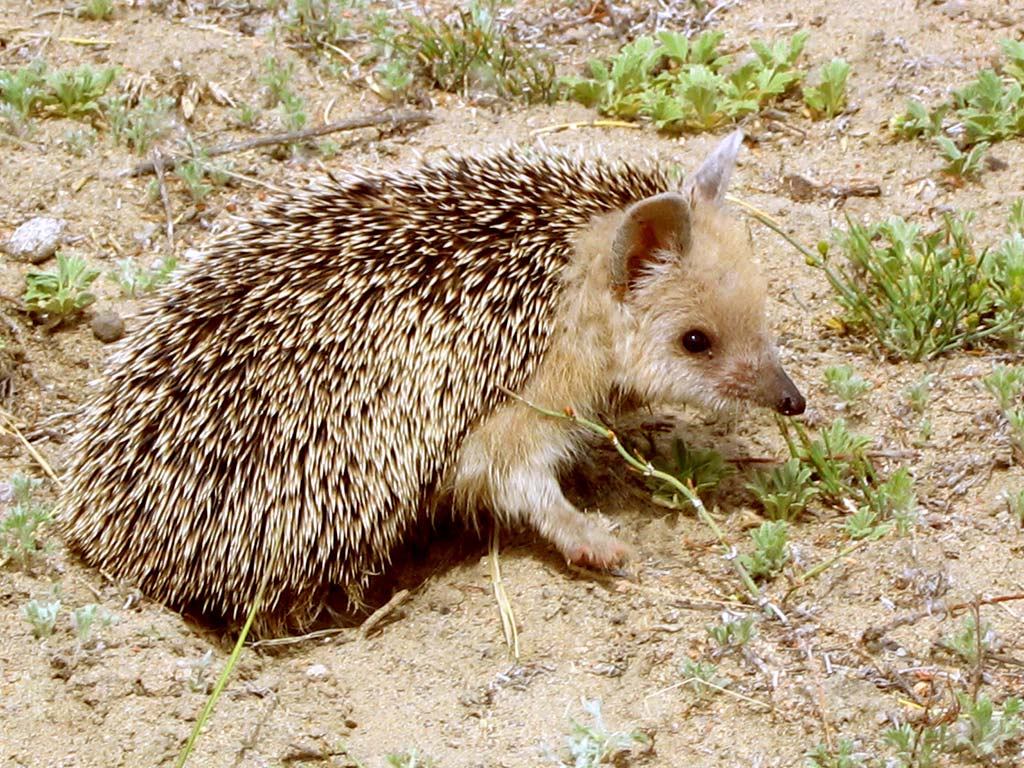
(107, 326)
(316, 671)
(36, 240)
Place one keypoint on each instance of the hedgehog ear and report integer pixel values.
(710, 181)
(653, 228)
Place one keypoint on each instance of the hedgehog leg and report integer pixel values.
(520, 486)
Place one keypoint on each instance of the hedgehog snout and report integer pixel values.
(787, 399)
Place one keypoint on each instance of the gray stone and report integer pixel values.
(107, 326)
(36, 240)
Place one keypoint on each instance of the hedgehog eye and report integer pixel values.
(695, 341)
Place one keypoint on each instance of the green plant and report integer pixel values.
(771, 550)
(410, 759)
(990, 108)
(321, 23)
(594, 745)
(688, 85)
(277, 78)
(87, 617)
(919, 394)
(1015, 504)
(20, 539)
(42, 617)
(1006, 384)
(60, 296)
(699, 468)
(200, 176)
(135, 281)
(702, 677)
(969, 642)
(79, 141)
(97, 10)
(837, 457)
(246, 115)
(199, 670)
(864, 524)
(78, 92)
(474, 53)
(918, 748)
(922, 294)
(828, 97)
(732, 633)
(844, 755)
(983, 729)
(139, 127)
(961, 164)
(24, 89)
(846, 384)
(785, 491)
(917, 122)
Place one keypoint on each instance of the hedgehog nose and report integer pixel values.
(792, 405)
(790, 402)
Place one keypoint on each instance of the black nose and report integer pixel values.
(792, 404)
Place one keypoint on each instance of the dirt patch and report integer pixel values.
(437, 677)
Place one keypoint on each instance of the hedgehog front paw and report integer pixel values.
(584, 542)
(598, 550)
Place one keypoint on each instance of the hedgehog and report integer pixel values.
(305, 393)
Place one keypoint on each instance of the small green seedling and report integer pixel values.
(60, 296)
(985, 730)
(320, 23)
(961, 164)
(918, 395)
(917, 122)
(837, 457)
(140, 127)
(199, 670)
(42, 617)
(89, 617)
(968, 643)
(591, 746)
(917, 748)
(846, 384)
(863, 524)
(410, 759)
(24, 89)
(828, 98)
(80, 141)
(77, 93)
(20, 539)
(843, 755)
(771, 550)
(785, 491)
(1015, 504)
(246, 115)
(732, 633)
(97, 10)
(277, 78)
(1006, 384)
(703, 677)
(135, 281)
(701, 469)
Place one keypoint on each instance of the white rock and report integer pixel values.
(36, 240)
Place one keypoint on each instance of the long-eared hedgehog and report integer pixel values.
(300, 396)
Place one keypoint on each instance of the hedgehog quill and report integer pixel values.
(294, 402)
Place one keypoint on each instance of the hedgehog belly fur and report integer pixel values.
(292, 402)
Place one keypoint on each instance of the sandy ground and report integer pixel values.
(437, 676)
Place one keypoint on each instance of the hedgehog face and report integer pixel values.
(695, 302)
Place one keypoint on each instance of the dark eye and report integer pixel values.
(696, 341)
